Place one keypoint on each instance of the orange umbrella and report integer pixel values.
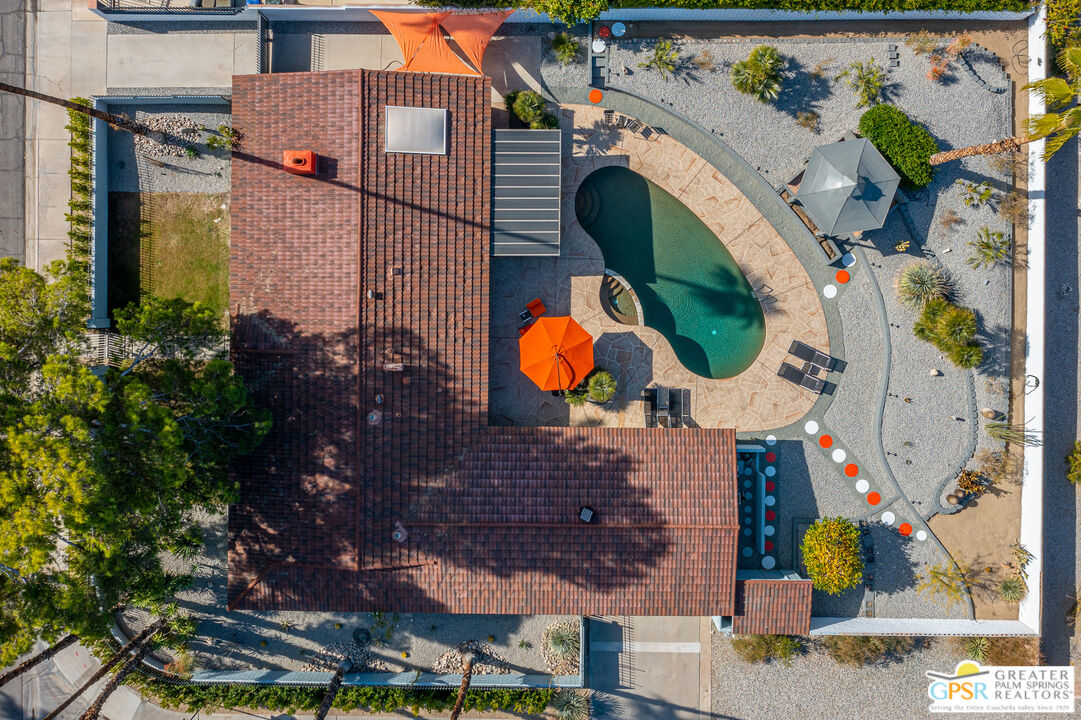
(556, 353)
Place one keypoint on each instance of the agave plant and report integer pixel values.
(760, 74)
(571, 704)
(1012, 590)
(989, 249)
(563, 641)
(566, 48)
(921, 282)
(977, 648)
(663, 59)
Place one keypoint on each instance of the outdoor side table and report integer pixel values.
(599, 46)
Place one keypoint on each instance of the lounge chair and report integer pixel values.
(809, 354)
(649, 407)
(797, 376)
(609, 117)
(662, 403)
(685, 407)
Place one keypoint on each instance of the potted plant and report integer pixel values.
(602, 387)
(576, 396)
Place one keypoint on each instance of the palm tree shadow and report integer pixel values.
(802, 91)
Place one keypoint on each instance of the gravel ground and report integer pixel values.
(554, 72)
(822, 689)
(209, 173)
(310, 640)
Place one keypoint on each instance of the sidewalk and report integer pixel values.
(12, 130)
(650, 667)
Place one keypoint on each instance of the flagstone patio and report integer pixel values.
(638, 356)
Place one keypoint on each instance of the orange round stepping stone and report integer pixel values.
(874, 498)
(905, 529)
(842, 276)
(826, 441)
(595, 96)
(852, 470)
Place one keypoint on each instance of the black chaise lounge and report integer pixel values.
(795, 375)
(809, 354)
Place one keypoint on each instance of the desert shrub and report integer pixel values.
(939, 66)
(906, 145)
(866, 80)
(997, 466)
(563, 641)
(949, 220)
(921, 43)
(763, 648)
(1014, 651)
(977, 648)
(760, 74)
(921, 282)
(566, 48)
(705, 61)
(1073, 464)
(564, 11)
(530, 107)
(968, 356)
(975, 194)
(1017, 434)
(807, 119)
(959, 45)
(972, 482)
(663, 58)
(1014, 207)
(864, 649)
(945, 581)
(952, 330)
(570, 704)
(988, 249)
(1012, 590)
(819, 70)
(832, 554)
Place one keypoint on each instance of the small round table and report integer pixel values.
(619, 29)
(599, 46)
(604, 31)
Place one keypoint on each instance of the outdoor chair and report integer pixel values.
(647, 133)
(795, 375)
(649, 398)
(536, 307)
(634, 126)
(609, 117)
(675, 411)
(809, 354)
(662, 402)
(685, 407)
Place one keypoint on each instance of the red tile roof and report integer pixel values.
(361, 319)
(772, 607)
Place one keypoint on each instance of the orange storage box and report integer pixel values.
(299, 162)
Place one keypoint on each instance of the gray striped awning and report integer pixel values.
(526, 191)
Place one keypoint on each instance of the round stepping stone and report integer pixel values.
(747, 532)
(770, 486)
(770, 501)
(826, 441)
(768, 530)
(842, 277)
(595, 96)
(888, 518)
(829, 292)
(921, 535)
(619, 29)
(771, 440)
(848, 259)
(862, 485)
(747, 552)
(839, 455)
(748, 470)
(811, 427)
(746, 508)
(874, 498)
(771, 456)
(769, 546)
(770, 471)
(768, 562)
(852, 469)
(746, 483)
(905, 529)
(770, 515)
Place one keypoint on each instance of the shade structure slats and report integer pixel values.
(526, 187)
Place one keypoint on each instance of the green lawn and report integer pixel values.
(169, 245)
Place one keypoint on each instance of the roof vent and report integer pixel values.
(586, 514)
(375, 417)
(399, 535)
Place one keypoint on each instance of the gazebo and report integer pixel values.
(848, 187)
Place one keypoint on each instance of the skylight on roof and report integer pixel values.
(416, 130)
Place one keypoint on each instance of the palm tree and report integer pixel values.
(467, 677)
(344, 666)
(40, 657)
(1058, 125)
(112, 662)
(126, 669)
(116, 121)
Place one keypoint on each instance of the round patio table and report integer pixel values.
(599, 46)
(619, 29)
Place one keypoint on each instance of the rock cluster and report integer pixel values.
(175, 133)
(487, 661)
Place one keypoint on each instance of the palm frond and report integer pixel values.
(1040, 126)
(1070, 62)
(1054, 91)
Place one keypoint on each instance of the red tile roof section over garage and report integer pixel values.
(772, 607)
(361, 319)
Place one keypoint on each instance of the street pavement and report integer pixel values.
(12, 129)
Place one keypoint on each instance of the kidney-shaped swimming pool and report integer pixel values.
(690, 287)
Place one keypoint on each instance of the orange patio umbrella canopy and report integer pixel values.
(556, 353)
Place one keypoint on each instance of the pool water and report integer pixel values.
(689, 286)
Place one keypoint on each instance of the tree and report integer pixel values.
(1058, 125)
(344, 665)
(116, 121)
(831, 551)
(760, 74)
(467, 677)
(570, 11)
(946, 580)
(30, 662)
(126, 669)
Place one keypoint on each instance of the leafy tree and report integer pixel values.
(946, 580)
(570, 11)
(832, 554)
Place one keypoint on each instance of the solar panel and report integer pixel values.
(416, 130)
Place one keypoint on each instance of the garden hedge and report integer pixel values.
(905, 144)
(78, 216)
(797, 5)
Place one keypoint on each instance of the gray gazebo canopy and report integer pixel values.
(847, 187)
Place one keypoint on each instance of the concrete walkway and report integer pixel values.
(12, 129)
(649, 667)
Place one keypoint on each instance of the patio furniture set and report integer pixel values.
(807, 375)
(667, 407)
(611, 117)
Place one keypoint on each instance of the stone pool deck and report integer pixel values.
(638, 356)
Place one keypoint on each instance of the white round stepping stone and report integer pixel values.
(811, 427)
(771, 440)
(848, 259)
(768, 562)
(839, 455)
(862, 485)
(888, 518)
(830, 291)
(770, 501)
(770, 471)
(598, 46)
(921, 535)
(769, 530)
